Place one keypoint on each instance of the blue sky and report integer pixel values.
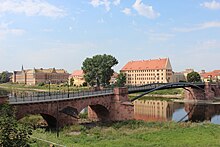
(61, 34)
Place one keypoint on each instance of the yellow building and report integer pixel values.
(78, 77)
(148, 71)
(35, 76)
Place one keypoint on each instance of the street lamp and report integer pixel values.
(68, 90)
(57, 123)
(49, 87)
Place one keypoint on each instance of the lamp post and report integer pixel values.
(49, 87)
(68, 90)
(57, 123)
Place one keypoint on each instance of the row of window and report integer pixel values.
(144, 82)
(145, 78)
(150, 70)
(150, 74)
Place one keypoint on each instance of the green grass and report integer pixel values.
(169, 91)
(53, 87)
(134, 133)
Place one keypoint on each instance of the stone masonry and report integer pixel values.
(208, 93)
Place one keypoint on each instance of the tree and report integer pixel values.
(193, 77)
(121, 80)
(98, 69)
(4, 77)
(11, 132)
(71, 81)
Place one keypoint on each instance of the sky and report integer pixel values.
(61, 34)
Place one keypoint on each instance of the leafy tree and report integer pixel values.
(12, 133)
(98, 69)
(4, 77)
(71, 81)
(121, 80)
(193, 77)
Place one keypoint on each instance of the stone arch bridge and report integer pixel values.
(103, 105)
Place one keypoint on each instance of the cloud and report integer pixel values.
(31, 8)
(211, 5)
(158, 37)
(145, 10)
(97, 3)
(101, 20)
(5, 30)
(203, 26)
(126, 11)
(117, 2)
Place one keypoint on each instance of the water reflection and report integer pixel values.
(156, 110)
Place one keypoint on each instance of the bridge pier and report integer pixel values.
(120, 107)
(209, 92)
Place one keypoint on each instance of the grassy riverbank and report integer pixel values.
(134, 133)
(45, 87)
(161, 94)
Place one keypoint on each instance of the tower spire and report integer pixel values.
(22, 67)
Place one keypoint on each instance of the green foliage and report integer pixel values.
(193, 77)
(98, 69)
(71, 81)
(32, 121)
(12, 133)
(4, 77)
(84, 84)
(121, 80)
(41, 84)
(83, 115)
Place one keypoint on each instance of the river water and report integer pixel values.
(158, 110)
(162, 110)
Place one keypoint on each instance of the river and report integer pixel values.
(158, 110)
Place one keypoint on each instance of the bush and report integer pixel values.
(41, 84)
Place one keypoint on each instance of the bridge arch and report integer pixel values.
(98, 112)
(49, 118)
(169, 86)
(51, 121)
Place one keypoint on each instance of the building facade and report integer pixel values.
(78, 77)
(36, 76)
(213, 76)
(148, 71)
(179, 77)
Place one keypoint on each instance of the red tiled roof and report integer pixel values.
(146, 64)
(77, 73)
(212, 74)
